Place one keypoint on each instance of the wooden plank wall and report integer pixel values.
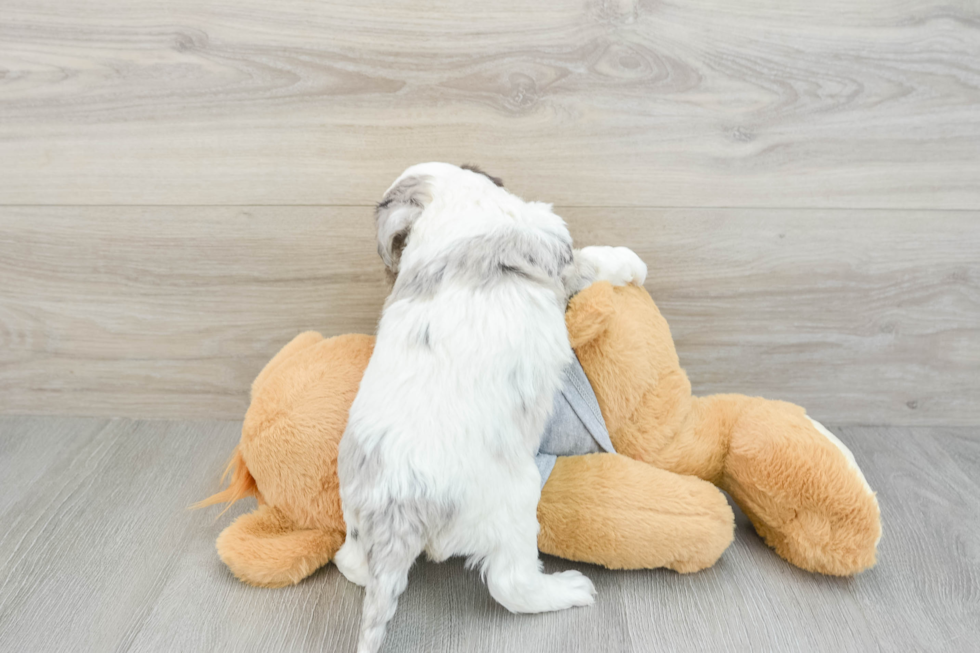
(186, 184)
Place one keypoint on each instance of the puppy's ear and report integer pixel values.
(395, 215)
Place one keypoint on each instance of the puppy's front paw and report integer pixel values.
(617, 265)
(576, 588)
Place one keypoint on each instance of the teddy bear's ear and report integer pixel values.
(396, 213)
(589, 313)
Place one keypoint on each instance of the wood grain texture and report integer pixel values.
(861, 316)
(98, 554)
(585, 102)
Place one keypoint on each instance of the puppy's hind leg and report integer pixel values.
(391, 548)
(513, 570)
(351, 560)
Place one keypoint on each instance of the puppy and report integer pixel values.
(438, 454)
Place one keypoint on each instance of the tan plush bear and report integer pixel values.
(652, 504)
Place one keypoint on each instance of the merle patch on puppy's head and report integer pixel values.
(403, 204)
(497, 181)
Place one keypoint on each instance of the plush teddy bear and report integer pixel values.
(653, 503)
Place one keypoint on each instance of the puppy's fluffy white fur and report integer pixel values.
(438, 455)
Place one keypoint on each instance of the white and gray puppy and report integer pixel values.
(438, 455)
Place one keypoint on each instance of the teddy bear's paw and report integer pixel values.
(617, 265)
(851, 462)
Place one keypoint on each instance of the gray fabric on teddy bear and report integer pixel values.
(576, 425)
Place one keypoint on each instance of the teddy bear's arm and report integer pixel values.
(589, 313)
(610, 510)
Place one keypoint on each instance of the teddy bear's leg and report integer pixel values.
(610, 510)
(801, 488)
(264, 548)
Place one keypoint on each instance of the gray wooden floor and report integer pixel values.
(97, 553)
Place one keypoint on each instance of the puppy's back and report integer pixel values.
(469, 354)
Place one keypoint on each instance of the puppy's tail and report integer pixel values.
(240, 486)
(390, 557)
